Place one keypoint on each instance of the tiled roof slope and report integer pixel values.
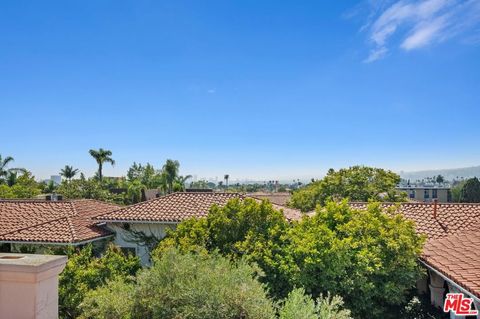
(275, 198)
(51, 221)
(450, 218)
(179, 206)
(457, 257)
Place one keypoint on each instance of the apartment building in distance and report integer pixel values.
(427, 193)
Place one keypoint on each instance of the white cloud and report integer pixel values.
(418, 23)
(212, 91)
(376, 54)
(424, 34)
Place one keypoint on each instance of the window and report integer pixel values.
(426, 194)
(434, 193)
(412, 194)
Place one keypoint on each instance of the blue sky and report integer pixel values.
(256, 89)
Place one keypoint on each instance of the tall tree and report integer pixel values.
(170, 172)
(5, 172)
(68, 172)
(357, 183)
(102, 156)
(226, 177)
(440, 179)
(470, 192)
(3, 166)
(181, 181)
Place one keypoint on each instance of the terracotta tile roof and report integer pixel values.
(274, 198)
(179, 206)
(451, 218)
(51, 221)
(457, 257)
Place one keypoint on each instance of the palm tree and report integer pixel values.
(3, 166)
(68, 172)
(226, 180)
(181, 180)
(102, 156)
(7, 173)
(170, 172)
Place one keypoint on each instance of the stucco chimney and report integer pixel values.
(29, 285)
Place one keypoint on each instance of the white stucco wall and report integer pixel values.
(123, 237)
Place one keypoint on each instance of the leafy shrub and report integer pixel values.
(366, 256)
(184, 286)
(84, 272)
(358, 183)
(300, 306)
(111, 301)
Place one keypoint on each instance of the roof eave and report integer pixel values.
(451, 281)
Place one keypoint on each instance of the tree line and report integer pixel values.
(20, 183)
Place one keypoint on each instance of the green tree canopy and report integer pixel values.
(198, 286)
(357, 183)
(170, 171)
(87, 189)
(470, 192)
(249, 229)
(185, 286)
(23, 186)
(365, 256)
(101, 156)
(68, 172)
(85, 272)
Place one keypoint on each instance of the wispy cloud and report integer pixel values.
(212, 91)
(417, 24)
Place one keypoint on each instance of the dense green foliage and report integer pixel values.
(23, 186)
(184, 286)
(198, 286)
(470, 192)
(367, 256)
(246, 229)
(87, 189)
(298, 305)
(358, 183)
(85, 272)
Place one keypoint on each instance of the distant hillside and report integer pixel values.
(449, 174)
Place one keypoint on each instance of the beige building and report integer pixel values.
(427, 194)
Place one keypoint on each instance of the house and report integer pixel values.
(451, 254)
(26, 223)
(137, 225)
(427, 193)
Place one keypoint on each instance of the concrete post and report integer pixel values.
(29, 285)
(436, 289)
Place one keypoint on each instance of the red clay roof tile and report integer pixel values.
(179, 206)
(457, 257)
(51, 221)
(451, 218)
